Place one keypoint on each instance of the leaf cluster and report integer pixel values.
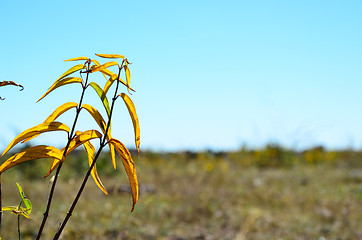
(78, 138)
(19, 210)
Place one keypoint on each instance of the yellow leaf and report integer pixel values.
(72, 70)
(107, 72)
(76, 59)
(32, 153)
(81, 138)
(90, 153)
(129, 167)
(110, 82)
(110, 56)
(102, 124)
(128, 75)
(60, 110)
(104, 66)
(132, 112)
(11, 208)
(97, 116)
(41, 128)
(97, 64)
(60, 83)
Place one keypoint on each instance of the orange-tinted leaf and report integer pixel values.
(102, 124)
(72, 70)
(132, 112)
(60, 83)
(104, 66)
(110, 56)
(90, 153)
(129, 167)
(4, 83)
(41, 128)
(32, 153)
(76, 59)
(60, 110)
(81, 138)
(54, 165)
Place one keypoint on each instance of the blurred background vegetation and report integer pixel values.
(267, 193)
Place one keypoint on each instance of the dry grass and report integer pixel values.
(204, 198)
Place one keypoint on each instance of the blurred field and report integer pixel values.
(270, 193)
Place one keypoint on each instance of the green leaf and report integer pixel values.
(102, 96)
(28, 205)
(21, 191)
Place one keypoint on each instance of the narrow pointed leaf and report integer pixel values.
(60, 83)
(4, 83)
(110, 56)
(11, 208)
(98, 64)
(128, 75)
(102, 124)
(102, 96)
(129, 167)
(110, 82)
(132, 112)
(76, 59)
(60, 110)
(90, 153)
(96, 115)
(20, 191)
(101, 67)
(32, 153)
(23, 211)
(72, 70)
(41, 128)
(28, 205)
(54, 165)
(81, 139)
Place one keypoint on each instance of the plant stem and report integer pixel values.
(70, 137)
(19, 227)
(1, 206)
(102, 145)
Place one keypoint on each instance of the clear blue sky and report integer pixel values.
(208, 74)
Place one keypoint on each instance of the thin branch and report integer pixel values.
(103, 144)
(70, 137)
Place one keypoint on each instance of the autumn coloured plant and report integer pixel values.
(6, 83)
(78, 138)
